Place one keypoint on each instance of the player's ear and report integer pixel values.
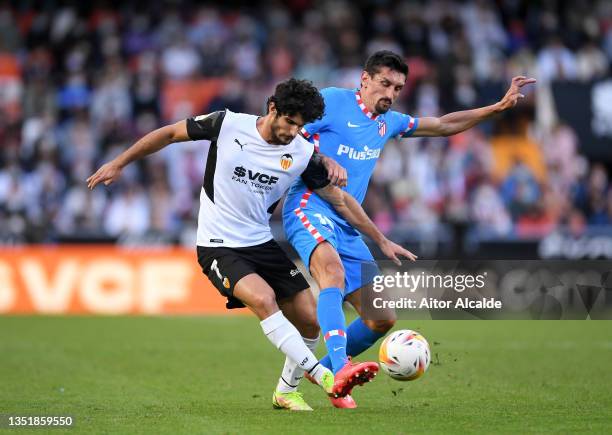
(271, 107)
(365, 78)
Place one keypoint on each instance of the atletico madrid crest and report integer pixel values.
(286, 161)
(382, 127)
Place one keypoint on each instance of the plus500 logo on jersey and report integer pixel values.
(240, 172)
(366, 154)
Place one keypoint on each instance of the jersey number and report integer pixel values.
(215, 268)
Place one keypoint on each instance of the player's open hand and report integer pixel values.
(107, 173)
(393, 251)
(336, 174)
(514, 92)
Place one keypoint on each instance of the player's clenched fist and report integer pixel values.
(337, 175)
(107, 173)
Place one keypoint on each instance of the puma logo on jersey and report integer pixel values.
(366, 154)
(241, 144)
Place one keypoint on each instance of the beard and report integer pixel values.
(381, 107)
(280, 139)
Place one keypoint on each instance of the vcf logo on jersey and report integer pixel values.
(382, 126)
(286, 161)
(258, 180)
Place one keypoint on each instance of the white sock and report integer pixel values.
(318, 371)
(292, 374)
(287, 339)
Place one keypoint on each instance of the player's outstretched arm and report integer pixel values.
(457, 122)
(351, 210)
(148, 144)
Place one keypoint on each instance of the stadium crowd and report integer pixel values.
(79, 84)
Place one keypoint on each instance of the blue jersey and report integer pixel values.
(352, 136)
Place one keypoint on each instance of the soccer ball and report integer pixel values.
(404, 355)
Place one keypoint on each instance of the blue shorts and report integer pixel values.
(311, 227)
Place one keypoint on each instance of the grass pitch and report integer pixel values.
(216, 375)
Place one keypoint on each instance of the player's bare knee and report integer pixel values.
(381, 326)
(333, 275)
(264, 303)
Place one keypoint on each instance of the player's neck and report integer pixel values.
(368, 101)
(264, 127)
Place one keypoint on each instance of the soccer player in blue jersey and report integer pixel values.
(354, 129)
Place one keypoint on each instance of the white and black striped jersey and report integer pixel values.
(245, 178)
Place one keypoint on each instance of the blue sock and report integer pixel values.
(359, 338)
(333, 326)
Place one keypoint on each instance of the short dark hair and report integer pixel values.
(386, 58)
(295, 96)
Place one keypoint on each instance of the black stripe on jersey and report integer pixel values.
(273, 207)
(209, 172)
(207, 127)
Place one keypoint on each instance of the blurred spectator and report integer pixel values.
(232, 96)
(488, 38)
(81, 212)
(128, 213)
(592, 62)
(520, 190)
(557, 62)
(560, 149)
(488, 211)
(180, 60)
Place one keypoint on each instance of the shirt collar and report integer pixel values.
(363, 108)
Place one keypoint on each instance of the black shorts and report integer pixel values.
(226, 266)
